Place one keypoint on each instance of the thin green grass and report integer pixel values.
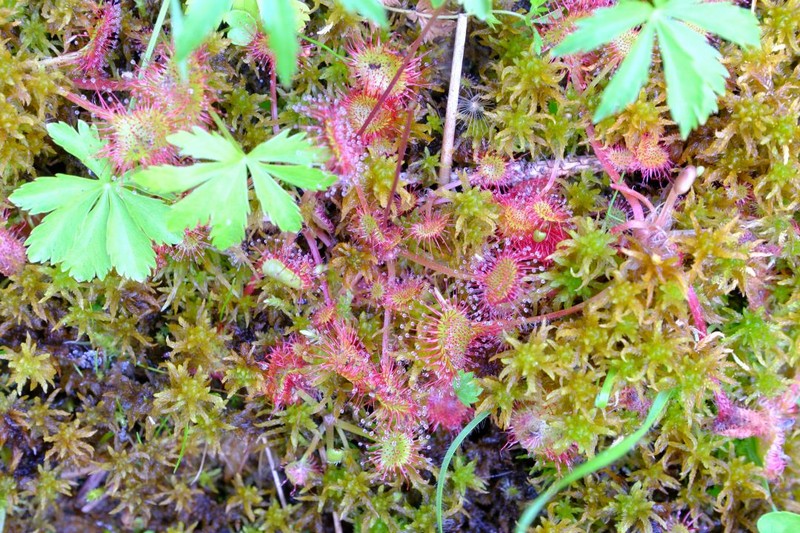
(598, 462)
(446, 463)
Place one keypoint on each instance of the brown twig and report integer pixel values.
(312, 246)
(555, 314)
(401, 155)
(449, 133)
(273, 97)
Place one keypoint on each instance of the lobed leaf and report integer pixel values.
(46, 194)
(732, 23)
(242, 26)
(305, 177)
(480, 8)
(630, 77)
(53, 238)
(605, 25)
(285, 148)
(278, 204)
(89, 258)
(84, 143)
(201, 144)
(370, 9)
(168, 179)
(779, 522)
(222, 202)
(150, 215)
(693, 76)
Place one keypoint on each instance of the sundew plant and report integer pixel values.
(399, 266)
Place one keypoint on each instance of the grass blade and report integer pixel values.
(446, 463)
(600, 461)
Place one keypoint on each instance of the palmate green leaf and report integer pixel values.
(242, 26)
(480, 8)
(370, 9)
(278, 17)
(53, 239)
(630, 77)
(93, 225)
(779, 522)
(127, 242)
(108, 226)
(89, 258)
(201, 144)
(49, 193)
(84, 143)
(220, 202)
(219, 189)
(277, 202)
(732, 23)
(604, 26)
(693, 74)
(285, 148)
(693, 71)
(466, 388)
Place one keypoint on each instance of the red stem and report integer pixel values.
(387, 313)
(548, 316)
(602, 155)
(101, 112)
(433, 265)
(697, 311)
(312, 246)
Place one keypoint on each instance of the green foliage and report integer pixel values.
(219, 188)
(694, 74)
(466, 387)
(479, 8)
(480, 417)
(202, 18)
(779, 522)
(93, 225)
(278, 17)
(188, 398)
(600, 461)
(297, 354)
(28, 367)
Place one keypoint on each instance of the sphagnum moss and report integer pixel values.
(305, 382)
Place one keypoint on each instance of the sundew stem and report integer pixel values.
(433, 265)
